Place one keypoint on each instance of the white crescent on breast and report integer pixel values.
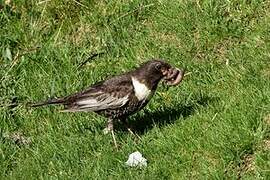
(142, 92)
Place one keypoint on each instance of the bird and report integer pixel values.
(118, 97)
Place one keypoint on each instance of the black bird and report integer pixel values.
(120, 96)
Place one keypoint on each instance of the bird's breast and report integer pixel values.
(142, 92)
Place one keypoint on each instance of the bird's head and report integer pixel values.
(155, 70)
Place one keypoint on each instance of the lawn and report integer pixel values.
(215, 125)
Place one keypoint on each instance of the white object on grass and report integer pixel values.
(136, 159)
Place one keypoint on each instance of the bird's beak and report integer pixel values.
(173, 76)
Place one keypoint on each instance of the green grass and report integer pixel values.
(216, 125)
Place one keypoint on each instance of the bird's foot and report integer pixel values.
(106, 130)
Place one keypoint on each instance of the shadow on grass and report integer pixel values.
(168, 115)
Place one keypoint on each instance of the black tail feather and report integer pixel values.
(48, 102)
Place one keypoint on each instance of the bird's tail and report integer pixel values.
(48, 102)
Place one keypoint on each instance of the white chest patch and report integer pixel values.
(141, 90)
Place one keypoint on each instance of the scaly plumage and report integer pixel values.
(118, 97)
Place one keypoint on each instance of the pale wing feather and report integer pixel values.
(100, 101)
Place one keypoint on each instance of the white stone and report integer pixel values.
(136, 160)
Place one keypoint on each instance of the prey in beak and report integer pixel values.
(173, 76)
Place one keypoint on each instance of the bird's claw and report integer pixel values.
(106, 131)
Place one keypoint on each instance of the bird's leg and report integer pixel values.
(129, 129)
(108, 129)
(114, 141)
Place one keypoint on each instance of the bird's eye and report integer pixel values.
(158, 66)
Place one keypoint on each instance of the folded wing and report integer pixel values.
(97, 102)
(99, 97)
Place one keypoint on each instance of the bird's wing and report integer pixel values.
(100, 97)
(98, 101)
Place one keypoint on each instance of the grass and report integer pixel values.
(216, 125)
